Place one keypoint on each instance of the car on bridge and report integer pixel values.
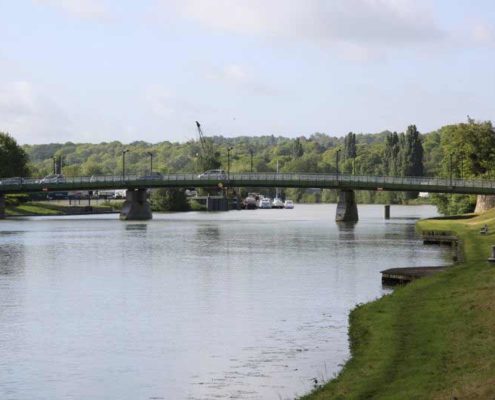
(54, 178)
(11, 181)
(154, 176)
(213, 174)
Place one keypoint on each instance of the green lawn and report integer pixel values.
(33, 208)
(30, 209)
(432, 339)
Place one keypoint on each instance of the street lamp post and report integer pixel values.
(251, 151)
(450, 169)
(337, 164)
(462, 166)
(123, 163)
(151, 162)
(228, 162)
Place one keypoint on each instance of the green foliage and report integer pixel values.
(350, 150)
(412, 156)
(471, 144)
(391, 158)
(467, 151)
(173, 199)
(298, 150)
(13, 159)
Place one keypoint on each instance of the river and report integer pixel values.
(243, 304)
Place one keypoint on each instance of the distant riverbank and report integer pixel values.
(432, 339)
(48, 208)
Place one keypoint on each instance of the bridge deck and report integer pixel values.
(296, 180)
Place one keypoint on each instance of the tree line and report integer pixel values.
(464, 150)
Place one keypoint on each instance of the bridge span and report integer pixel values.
(137, 207)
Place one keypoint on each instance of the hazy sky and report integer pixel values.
(102, 70)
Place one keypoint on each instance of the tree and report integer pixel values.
(350, 146)
(412, 153)
(13, 159)
(412, 156)
(471, 148)
(297, 150)
(170, 199)
(391, 157)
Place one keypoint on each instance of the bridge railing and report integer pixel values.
(248, 178)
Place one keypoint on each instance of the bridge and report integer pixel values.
(136, 205)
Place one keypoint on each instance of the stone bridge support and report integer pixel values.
(2, 206)
(136, 206)
(346, 207)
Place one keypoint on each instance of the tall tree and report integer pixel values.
(350, 150)
(412, 153)
(13, 159)
(391, 157)
(298, 150)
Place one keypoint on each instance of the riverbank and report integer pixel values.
(432, 339)
(46, 209)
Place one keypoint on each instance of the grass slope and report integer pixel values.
(33, 208)
(432, 339)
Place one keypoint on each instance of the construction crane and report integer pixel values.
(201, 138)
(208, 157)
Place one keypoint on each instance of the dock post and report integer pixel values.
(492, 258)
(136, 206)
(2, 206)
(387, 211)
(217, 204)
(346, 207)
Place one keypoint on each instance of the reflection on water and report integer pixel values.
(247, 305)
(135, 227)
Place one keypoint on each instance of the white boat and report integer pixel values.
(250, 202)
(289, 204)
(265, 202)
(277, 203)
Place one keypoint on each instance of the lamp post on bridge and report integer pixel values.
(251, 152)
(228, 162)
(123, 163)
(151, 162)
(337, 163)
(451, 168)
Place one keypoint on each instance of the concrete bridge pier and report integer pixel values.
(346, 207)
(136, 206)
(2, 206)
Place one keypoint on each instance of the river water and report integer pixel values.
(244, 304)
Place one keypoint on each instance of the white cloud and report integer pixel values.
(86, 9)
(239, 77)
(232, 73)
(29, 116)
(159, 101)
(483, 33)
(357, 22)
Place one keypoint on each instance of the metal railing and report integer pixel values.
(249, 179)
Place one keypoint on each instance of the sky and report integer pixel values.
(104, 70)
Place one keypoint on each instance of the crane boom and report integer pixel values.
(201, 138)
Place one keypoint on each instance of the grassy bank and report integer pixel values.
(432, 339)
(45, 209)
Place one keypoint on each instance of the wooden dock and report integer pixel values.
(400, 276)
(439, 237)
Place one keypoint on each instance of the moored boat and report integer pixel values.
(265, 202)
(289, 204)
(277, 203)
